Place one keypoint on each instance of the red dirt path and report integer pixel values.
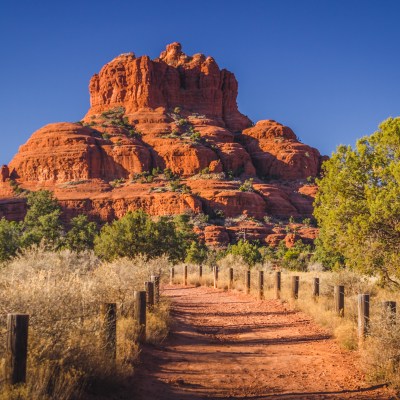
(229, 345)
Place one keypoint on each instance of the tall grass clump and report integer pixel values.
(381, 350)
(62, 292)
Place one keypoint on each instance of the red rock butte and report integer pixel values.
(166, 136)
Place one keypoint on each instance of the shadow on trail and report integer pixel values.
(320, 395)
(186, 331)
(188, 324)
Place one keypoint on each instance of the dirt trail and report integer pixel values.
(229, 345)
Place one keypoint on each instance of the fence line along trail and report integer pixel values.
(230, 345)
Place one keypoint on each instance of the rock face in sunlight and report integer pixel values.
(194, 83)
(166, 136)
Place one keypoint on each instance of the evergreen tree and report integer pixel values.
(10, 233)
(358, 204)
(250, 252)
(42, 221)
(81, 235)
(136, 233)
(196, 253)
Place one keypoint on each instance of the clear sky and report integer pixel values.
(330, 69)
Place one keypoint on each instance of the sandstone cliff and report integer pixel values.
(165, 135)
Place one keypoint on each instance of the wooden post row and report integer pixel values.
(247, 281)
(339, 300)
(278, 284)
(260, 285)
(140, 314)
(215, 277)
(185, 273)
(295, 287)
(150, 295)
(108, 333)
(16, 348)
(230, 279)
(363, 315)
(156, 280)
(316, 287)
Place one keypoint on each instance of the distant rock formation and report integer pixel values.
(152, 122)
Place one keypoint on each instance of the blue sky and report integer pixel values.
(329, 69)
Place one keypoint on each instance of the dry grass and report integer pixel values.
(381, 350)
(62, 293)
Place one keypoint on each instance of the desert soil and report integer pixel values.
(227, 345)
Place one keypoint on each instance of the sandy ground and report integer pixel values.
(229, 345)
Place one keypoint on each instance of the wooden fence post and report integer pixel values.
(108, 333)
(215, 277)
(247, 281)
(295, 287)
(363, 315)
(185, 275)
(140, 314)
(149, 286)
(315, 288)
(156, 280)
(278, 284)
(230, 279)
(200, 271)
(16, 348)
(389, 309)
(171, 275)
(339, 300)
(260, 285)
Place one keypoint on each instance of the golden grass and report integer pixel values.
(62, 293)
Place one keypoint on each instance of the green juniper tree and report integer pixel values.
(81, 235)
(10, 238)
(249, 251)
(358, 205)
(42, 222)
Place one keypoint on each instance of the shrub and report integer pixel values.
(296, 257)
(195, 137)
(136, 233)
(250, 252)
(81, 235)
(133, 133)
(267, 219)
(247, 186)
(169, 175)
(182, 122)
(155, 171)
(15, 187)
(219, 214)
(199, 219)
(117, 182)
(10, 232)
(205, 171)
(42, 221)
(196, 253)
(176, 186)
